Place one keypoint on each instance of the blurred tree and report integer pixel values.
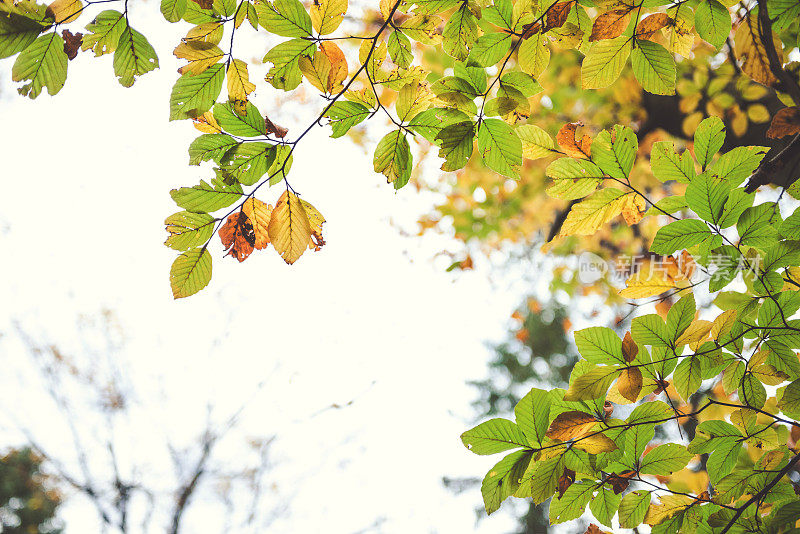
(28, 498)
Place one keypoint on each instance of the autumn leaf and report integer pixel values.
(629, 348)
(568, 143)
(206, 123)
(565, 481)
(289, 229)
(785, 122)
(315, 220)
(648, 27)
(237, 236)
(259, 214)
(557, 15)
(749, 48)
(239, 85)
(630, 383)
(338, 70)
(205, 4)
(611, 24)
(274, 129)
(72, 43)
(571, 425)
(63, 11)
(633, 209)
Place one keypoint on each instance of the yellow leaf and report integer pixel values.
(696, 332)
(633, 209)
(571, 425)
(596, 443)
(723, 323)
(588, 216)
(316, 70)
(750, 49)
(680, 34)
(326, 15)
(338, 70)
(209, 32)
(413, 99)
(669, 506)
(239, 84)
(206, 123)
(65, 10)
(315, 220)
(289, 229)
(259, 214)
(199, 54)
(630, 383)
(648, 281)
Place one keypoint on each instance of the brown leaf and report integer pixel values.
(72, 43)
(651, 24)
(531, 29)
(568, 143)
(594, 529)
(205, 4)
(571, 425)
(273, 128)
(610, 24)
(620, 482)
(608, 409)
(565, 481)
(661, 386)
(237, 236)
(629, 347)
(557, 15)
(629, 383)
(785, 122)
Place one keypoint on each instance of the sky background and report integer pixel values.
(371, 318)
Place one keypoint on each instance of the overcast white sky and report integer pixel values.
(86, 176)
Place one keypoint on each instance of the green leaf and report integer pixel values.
(460, 33)
(667, 205)
(432, 121)
(400, 49)
(188, 230)
(615, 157)
(134, 57)
(572, 504)
(738, 164)
(503, 479)
(752, 391)
(533, 55)
(173, 10)
(708, 139)
(207, 197)
(393, 158)
(736, 203)
(757, 225)
(210, 147)
(17, 33)
(536, 143)
(286, 74)
(688, 376)
(248, 162)
(544, 478)
(574, 178)
(680, 316)
(193, 95)
(633, 508)
(344, 115)
(455, 145)
(493, 436)
(723, 459)
(667, 165)
(500, 147)
(249, 125)
(654, 67)
(43, 64)
(532, 413)
(713, 22)
(665, 460)
(190, 272)
(106, 30)
(604, 62)
(593, 384)
(523, 83)
(287, 18)
(706, 196)
(650, 330)
(679, 235)
(490, 48)
(599, 345)
(604, 505)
